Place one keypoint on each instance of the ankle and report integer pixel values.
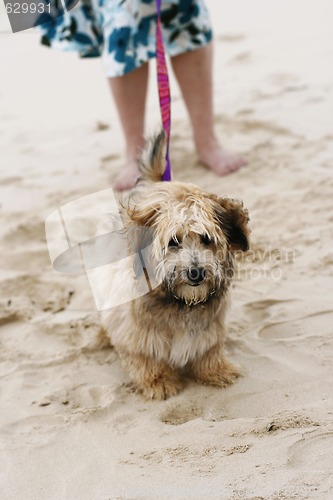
(133, 150)
(206, 142)
(132, 155)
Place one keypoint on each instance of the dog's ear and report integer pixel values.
(143, 215)
(233, 219)
(152, 162)
(143, 208)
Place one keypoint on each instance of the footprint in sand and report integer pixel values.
(276, 322)
(305, 327)
(186, 411)
(29, 231)
(21, 342)
(7, 181)
(261, 310)
(314, 452)
(177, 414)
(89, 397)
(28, 292)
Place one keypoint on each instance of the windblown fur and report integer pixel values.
(179, 326)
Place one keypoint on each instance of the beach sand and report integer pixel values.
(70, 427)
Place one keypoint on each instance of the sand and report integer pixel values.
(70, 427)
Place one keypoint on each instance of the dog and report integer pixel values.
(177, 329)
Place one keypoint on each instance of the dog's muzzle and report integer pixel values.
(196, 275)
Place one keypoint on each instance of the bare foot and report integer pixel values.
(127, 177)
(219, 160)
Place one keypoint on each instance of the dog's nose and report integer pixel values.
(196, 274)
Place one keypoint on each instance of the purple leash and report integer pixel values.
(163, 89)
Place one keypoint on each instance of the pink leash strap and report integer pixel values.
(163, 89)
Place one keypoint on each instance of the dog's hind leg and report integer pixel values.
(213, 369)
(154, 379)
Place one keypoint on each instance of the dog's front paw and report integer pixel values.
(161, 388)
(154, 379)
(222, 375)
(213, 369)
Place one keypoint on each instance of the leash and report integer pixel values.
(163, 89)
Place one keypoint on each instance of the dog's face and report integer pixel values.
(197, 263)
(195, 235)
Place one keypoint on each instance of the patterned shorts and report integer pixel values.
(123, 31)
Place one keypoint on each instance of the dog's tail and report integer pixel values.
(152, 161)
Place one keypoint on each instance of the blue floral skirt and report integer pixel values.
(123, 31)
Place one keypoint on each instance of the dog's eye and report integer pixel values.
(174, 242)
(205, 239)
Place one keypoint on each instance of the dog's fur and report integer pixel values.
(178, 328)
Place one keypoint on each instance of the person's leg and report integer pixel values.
(129, 93)
(193, 71)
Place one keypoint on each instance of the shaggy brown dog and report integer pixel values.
(178, 327)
